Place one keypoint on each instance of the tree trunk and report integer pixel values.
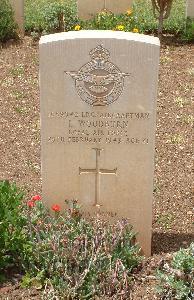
(160, 25)
(61, 21)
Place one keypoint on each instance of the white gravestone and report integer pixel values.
(18, 7)
(190, 8)
(89, 8)
(98, 108)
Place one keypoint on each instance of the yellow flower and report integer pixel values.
(135, 30)
(120, 27)
(129, 12)
(77, 27)
(104, 12)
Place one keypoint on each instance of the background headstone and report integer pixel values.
(98, 107)
(18, 7)
(190, 8)
(89, 8)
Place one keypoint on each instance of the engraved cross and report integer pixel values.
(97, 172)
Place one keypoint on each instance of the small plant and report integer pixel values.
(176, 279)
(8, 27)
(81, 257)
(12, 236)
(188, 119)
(176, 139)
(161, 9)
(17, 71)
(165, 221)
(18, 95)
(181, 102)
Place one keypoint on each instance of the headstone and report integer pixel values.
(18, 7)
(89, 8)
(190, 8)
(98, 107)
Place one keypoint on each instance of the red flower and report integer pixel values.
(36, 198)
(30, 204)
(56, 207)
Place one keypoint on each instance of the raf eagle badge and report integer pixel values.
(99, 82)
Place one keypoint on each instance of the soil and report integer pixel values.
(173, 202)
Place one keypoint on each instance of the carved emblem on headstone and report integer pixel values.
(99, 82)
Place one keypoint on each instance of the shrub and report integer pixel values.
(176, 279)
(176, 22)
(47, 16)
(8, 27)
(50, 15)
(81, 257)
(188, 34)
(12, 236)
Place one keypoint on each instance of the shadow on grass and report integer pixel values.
(170, 242)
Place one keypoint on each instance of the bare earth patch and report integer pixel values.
(173, 202)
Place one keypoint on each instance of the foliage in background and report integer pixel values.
(143, 11)
(188, 33)
(8, 27)
(43, 16)
(12, 235)
(176, 279)
(161, 10)
(106, 20)
(48, 16)
(81, 257)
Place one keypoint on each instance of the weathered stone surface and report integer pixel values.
(190, 8)
(98, 107)
(88, 8)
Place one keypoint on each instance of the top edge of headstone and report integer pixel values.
(97, 34)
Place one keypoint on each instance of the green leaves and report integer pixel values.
(50, 16)
(176, 278)
(8, 26)
(11, 223)
(80, 257)
(188, 32)
(184, 260)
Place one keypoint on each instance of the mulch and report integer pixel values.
(173, 198)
